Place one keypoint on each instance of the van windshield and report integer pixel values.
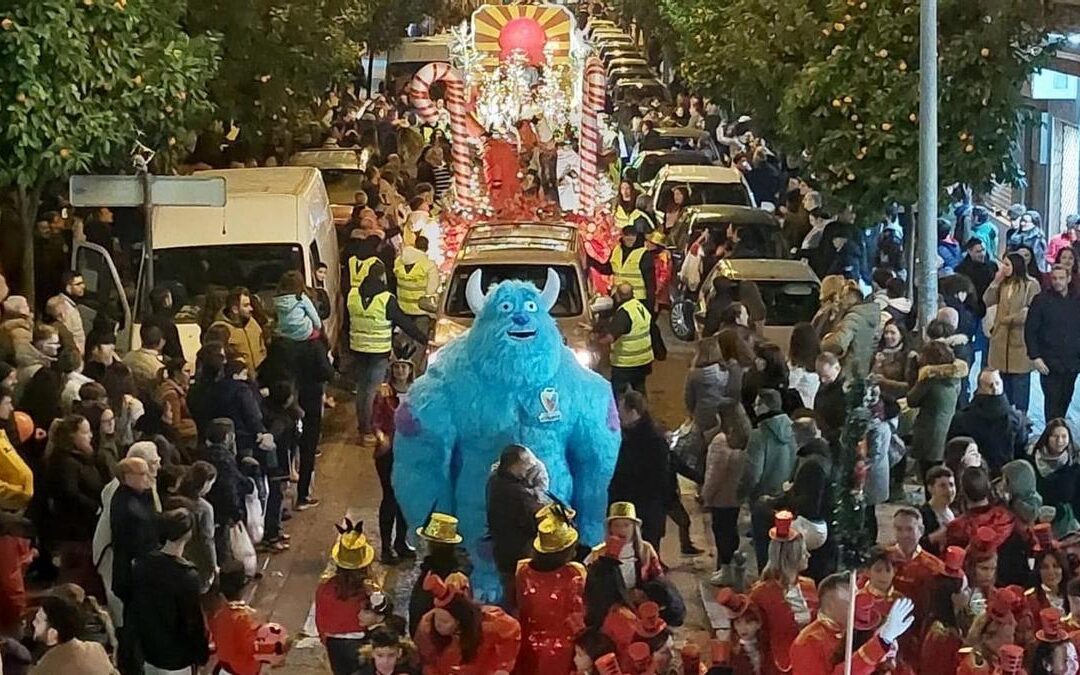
(569, 302)
(192, 272)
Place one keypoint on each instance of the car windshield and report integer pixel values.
(664, 142)
(651, 165)
(568, 304)
(342, 184)
(787, 302)
(711, 193)
(193, 272)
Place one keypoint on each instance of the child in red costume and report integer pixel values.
(550, 586)
(343, 593)
(656, 242)
(942, 639)
(460, 637)
(234, 626)
(748, 646)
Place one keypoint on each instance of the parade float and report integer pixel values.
(513, 69)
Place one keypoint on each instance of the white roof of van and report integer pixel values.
(262, 206)
(700, 174)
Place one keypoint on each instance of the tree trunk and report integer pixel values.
(27, 201)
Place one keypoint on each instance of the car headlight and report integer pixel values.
(585, 357)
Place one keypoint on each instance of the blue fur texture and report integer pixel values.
(488, 389)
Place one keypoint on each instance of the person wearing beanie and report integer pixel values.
(770, 450)
(1018, 488)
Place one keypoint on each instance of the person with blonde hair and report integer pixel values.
(788, 600)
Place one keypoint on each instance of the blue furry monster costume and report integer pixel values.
(509, 379)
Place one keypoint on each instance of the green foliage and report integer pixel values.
(848, 525)
(279, 59)
(82, 81)
(840, 79)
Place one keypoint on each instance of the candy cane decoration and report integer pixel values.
(592, 103)
(420, 95)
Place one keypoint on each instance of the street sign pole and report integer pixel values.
(926, 231)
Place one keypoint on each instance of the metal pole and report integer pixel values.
(148, 236)
(926, 239)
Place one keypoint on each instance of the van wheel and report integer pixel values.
(682, 320)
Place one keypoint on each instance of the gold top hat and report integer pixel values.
(554, 534)
(351, 550)
(625, 510)
(441, 529)
(548, 510)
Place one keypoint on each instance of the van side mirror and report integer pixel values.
(601, 304)
(427, 303)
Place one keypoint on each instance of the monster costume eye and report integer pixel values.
(530, 306)
(505, 306)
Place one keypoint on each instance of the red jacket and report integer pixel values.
(819, 650)
(233, 628)
(913, 580)
(498, 650)
(779, 620)
(550, 609)
(334, 616)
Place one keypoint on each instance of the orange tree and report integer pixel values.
(80, 82)
(839, 79)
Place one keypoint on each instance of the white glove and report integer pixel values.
(900, 618)
(266, 442)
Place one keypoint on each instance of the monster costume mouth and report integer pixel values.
(521, 334)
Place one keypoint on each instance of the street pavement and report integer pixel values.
(347, 485)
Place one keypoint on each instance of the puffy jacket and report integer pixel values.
(770, 458)
(935, 396)
(722, 462)
(1011, 539)
(855, 338)
(73, 486)
(705, 391)
(998, 428)
(296, 317)
(16, 478)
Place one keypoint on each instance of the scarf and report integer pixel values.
(1048, 465)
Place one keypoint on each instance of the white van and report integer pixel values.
(274, 220)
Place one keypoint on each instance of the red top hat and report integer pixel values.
(1051, 629)
(781, 529)
(1011, 659)
(866, 615)
(649, 622)
(736, 604)
(954, 562)
(1001, 605)
(719, 652)
(639, 653)
(1044, 537)
(691, 658)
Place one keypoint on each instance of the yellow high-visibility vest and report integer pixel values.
(412, 284)
(628, 271)
(634, 348)
(358, 270)
(370, 329)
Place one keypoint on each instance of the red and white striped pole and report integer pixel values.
(461, 157)
(592, 104)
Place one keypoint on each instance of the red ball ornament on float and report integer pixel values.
(526, 34)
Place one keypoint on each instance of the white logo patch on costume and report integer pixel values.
(549, 399)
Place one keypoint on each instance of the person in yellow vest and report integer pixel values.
(635, 342)
(631, 263)
(373, 313)
(417, 277)
(362, 250)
